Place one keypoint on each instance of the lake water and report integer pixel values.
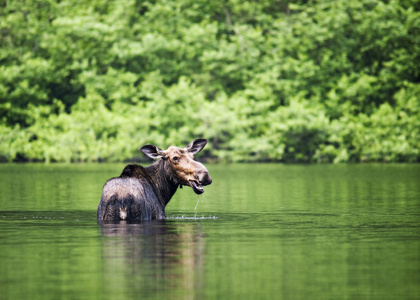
(260, 231)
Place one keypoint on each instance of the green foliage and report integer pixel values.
(312, 81)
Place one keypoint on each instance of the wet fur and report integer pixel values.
(138, 193)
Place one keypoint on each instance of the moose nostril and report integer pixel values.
(207, 180)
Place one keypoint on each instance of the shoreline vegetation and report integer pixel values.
(266, 81)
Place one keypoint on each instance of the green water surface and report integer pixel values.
(260, 231)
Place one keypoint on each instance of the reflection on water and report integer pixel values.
(263, 231)
(154, 258)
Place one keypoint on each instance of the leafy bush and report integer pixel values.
(312, 81)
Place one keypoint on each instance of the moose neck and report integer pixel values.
(162, 181)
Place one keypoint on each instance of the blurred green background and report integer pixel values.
(289, 81)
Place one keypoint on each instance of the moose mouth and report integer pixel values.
(197, 187)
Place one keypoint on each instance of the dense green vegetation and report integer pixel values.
(308, 81)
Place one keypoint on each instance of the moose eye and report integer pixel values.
(175, 159)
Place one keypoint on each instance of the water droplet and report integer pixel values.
(198, 200)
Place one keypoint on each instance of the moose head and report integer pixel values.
(180, 164)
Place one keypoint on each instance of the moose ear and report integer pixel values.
(152, 151)
(196, 146)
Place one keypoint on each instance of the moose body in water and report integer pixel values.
(141, 193)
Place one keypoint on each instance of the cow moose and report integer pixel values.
(142, 193)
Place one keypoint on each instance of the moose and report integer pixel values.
(142, 193)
